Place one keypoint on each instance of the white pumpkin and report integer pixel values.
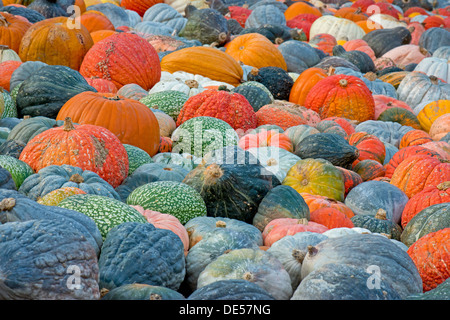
(180, 5)
(7, 54)
(432, 66)
(340, 28)
(387, 21)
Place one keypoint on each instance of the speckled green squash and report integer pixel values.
(136, 157)
(19, 169)
(184, 160)
(200, 135)
(7, 105)
(168, 101)
(105, 211)
(170, 197)
(378, 224)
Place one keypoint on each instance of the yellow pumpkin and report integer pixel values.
(431, 112)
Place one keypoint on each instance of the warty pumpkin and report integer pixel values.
(266, 138)
(331, 218)
(315, 202)
(56, 42)
(123, 58)
(90, 147)
(139, 6)
(129, 120)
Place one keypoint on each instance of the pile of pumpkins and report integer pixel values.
(224, 150)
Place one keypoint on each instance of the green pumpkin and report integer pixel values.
(168, 101)
(170, 197)
(378, 224)
(233, 289)
(184, 160)
(106, 212)
(19, 169)
(7, 105)
(28, 128)
(138, 291)
(430, 219)
(136, 157)
(280, 202)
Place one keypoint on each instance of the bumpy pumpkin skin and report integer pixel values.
(90, 147)
(129, 120)
(55, 41)
(110, 59)
(369, 146)
(342, 96)
(429, 254)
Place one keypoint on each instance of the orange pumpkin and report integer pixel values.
(266, 138)
(139, 6)
(440, 127)
(331, 218)
(360, 45)
(95, 21)
(6, 70)
(86, 146)
(370, 147)
(130, 120)
(369, 25)
(300, 7)
(165, 145)
(12, 30)
(324, 41)
(255, 50)
(414, 138)
(101, 34)
(303, 84)
(369, 169)
(102, 85)
(351, 13)
(431, 111)
(341, 96)
(54, 41)
(315, 202)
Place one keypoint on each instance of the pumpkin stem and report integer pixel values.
(191, 84)
(331, 71)
(272, 162)
(443, 186)
(434, 79)
(343, 82)
(3, 21)
(423, 51)
(222, 37)
(358, 11)
(26, 117)
(386, 235)
(155, 296)
(298, 255)
(221, 224)
(103, 292)
(68, 124)
(312, 251)
(254, 71)
(279, 40)
(77, 178)
(212, 173)
(381, 214)
(248, 276)
(302, 221)
(7, 204)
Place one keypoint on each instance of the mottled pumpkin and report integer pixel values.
(7, 68)
(369, 169)
(370, 147)
(130, 120)
(400, 115)
(54, 197)
(87, 146)
(317, 177)
(342, 96)
(56, 42)
(414, 138)
(123, 58)
(351, 179)
(430, 254)
(417, 172)
(440, 127)
(165, 145)
(102, 85)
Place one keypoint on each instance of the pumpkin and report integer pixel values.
(300, 7)
(440, 127)
(286, 114)
(138, 291)
(433, 38)
(303, 84)
(101, 34)
(368, 145)
(145, 243)
(22, 72)
(168, 222)
(331, 218)
(281, 227)
(139, 7)
(116, 107)
(102, 85)
(232, 108)
(12, 30)
(429, 254)
(132, 91)
(298, 55)
(359, 45)
(409, 178)
(245, 188)
(339, 28)
(414, 138)
(206, 61)
(169, 101)
(18, 169)
(255, 95)
(323, 41)
(360, 59)
(317, 177)
(54, 177)
(378, 224)
(385, 39)
(348, 254)
(268, 13)
(276, 79)
(247, 49)
(95, 21)
(55, 42)
(280, 202)
(110, 59)
(253, 265)
(431, 111)
(231, 289)
(400, 115)
(386, 131)
(341, 96)
(22, 11)
(297, 133)
(7, 54)
(394, 78)
(265, 138)
(53, 198)
(369, 169)
(102, 151)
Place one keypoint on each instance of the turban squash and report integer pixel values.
(130, 120)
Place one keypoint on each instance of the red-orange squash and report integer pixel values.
(315, 202)
(414, 138)
(331, 218)
(369, 146)
(266, 138)
(86, 146)
(303, 84)
(129, 120)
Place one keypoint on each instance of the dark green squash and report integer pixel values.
(138, 291)
(328, 146)
(206, 25)
(32, 15)
(278, 81)
(256, 96)
(40, 260)
(378, 224)
(277, 34)
(387, 70)
(133, 251)
(48, 8)
(434, 38)
(12, 148)
(280, 202)
(45, 91)
(6, 180)
(230, 190)
(31, 127)
(430, 219)
(231, 289)
(383, 40)
(25, 70)
(360, 59)
(298, 55)
(441, 292)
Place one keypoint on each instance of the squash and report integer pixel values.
(29, 127)
(429, 254)
(138, 291)
(316, 177)
(23, 72)
(276, 79)
(369, 169)
(370, 147)
(231, 289)
(136, 157)
(360, 59)
(299, 56)
(53, 198)
(414, 138)
(103, 153)
(440, 127)
(383, 40)
(6, 180)
(256, 96)
(265, 138)
(134, 260)
(431, 111)
(331, 218)
(339, 28)
(316, 202)
(265, 14)
(434, 38)
(402, 116)
(365, 251)
(303, 84)
(440, 292)
(378, 224)
(253, 265)
(386, 131)
(19, 169)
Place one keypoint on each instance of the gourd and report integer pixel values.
(19, 169)
(378, 224)
(231, 289)
(132, 251)
(138, 291)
